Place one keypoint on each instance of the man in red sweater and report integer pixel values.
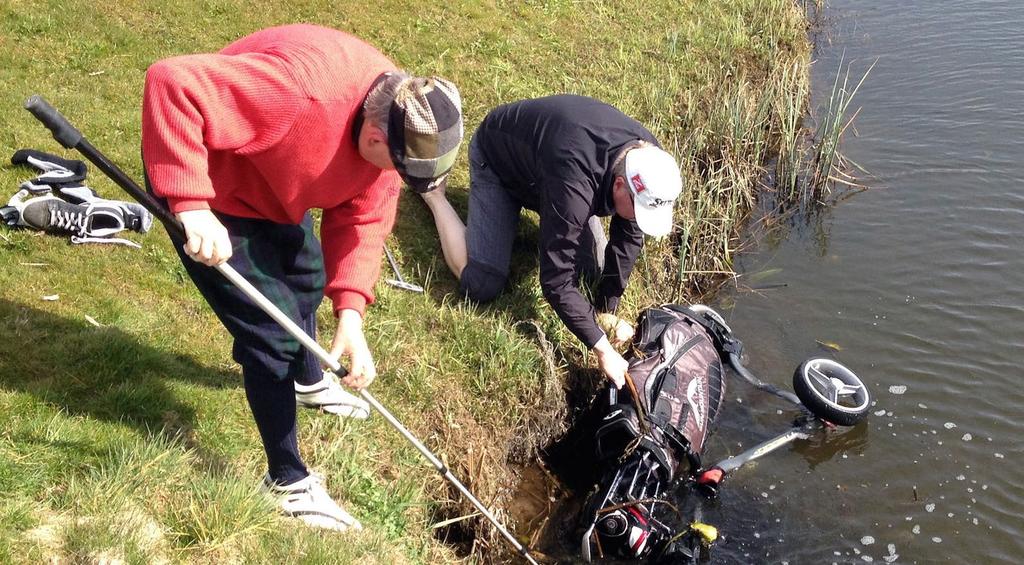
(241, 144)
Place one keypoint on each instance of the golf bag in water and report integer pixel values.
(655, 428)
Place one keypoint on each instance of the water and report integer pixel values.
(920, 282)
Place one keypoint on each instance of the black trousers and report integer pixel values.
(285, 263)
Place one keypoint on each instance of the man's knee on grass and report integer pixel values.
(481, 283)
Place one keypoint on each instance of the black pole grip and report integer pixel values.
(65, 133)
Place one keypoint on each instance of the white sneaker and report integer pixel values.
(309, 501)
(329, 396)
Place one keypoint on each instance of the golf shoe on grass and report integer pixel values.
(96, 222)
(329, 396)
(135, 217)
(309, 501)
(57, 201)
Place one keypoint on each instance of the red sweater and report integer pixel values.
(263, 129)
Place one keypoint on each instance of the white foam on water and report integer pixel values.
(949, 425)
(879, 412)
(999, 456)
(916, 529)
(867, 540)
(930, 507)
(897, 389)
(967, 437)
(937, 539)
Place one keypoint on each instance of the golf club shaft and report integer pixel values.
(333, 364)
(68, 136)
(394, 264)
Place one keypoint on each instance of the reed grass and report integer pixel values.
(828, 166)
(752, 142)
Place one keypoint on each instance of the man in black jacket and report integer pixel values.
(572, 159)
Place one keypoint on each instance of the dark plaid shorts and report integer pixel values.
(285, 263)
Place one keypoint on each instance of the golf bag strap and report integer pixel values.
(683, 445)
(723, 340)
(678, 441)
(639, 404)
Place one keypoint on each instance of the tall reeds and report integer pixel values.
(828, 167)
(749, 140)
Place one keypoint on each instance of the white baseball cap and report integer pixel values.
(654, 179)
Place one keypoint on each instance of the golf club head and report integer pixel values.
(404, 285)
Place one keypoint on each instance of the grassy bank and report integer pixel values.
(123, 427)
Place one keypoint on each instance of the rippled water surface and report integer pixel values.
(920, 282)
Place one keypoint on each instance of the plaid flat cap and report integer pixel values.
(424, 131)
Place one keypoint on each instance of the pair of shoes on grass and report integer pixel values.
(308, 501)
(58, 202)
(76, 211)
(329, 396)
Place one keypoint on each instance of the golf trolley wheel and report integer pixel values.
(831, 391)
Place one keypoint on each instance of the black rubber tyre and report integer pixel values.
(831, 391)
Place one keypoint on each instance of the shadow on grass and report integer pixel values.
(103, 373)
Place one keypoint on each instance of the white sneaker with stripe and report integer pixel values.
(329, 396)
(309, 501)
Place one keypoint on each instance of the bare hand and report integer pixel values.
(612, 365)
(350, 342)
(207, 240)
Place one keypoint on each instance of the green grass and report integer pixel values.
(132, 440)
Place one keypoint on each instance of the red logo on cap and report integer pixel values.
(638, 184)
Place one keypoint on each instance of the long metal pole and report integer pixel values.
(71, 138)
(291, 327)
(762, 449)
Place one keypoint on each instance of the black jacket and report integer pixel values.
(554, 155)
